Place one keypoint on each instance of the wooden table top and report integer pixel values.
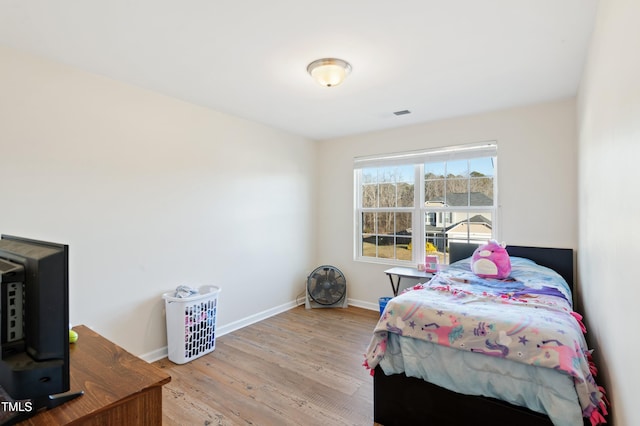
(106, 373)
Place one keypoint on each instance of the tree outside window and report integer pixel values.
(452, 199)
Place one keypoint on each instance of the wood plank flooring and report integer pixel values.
(301, 367)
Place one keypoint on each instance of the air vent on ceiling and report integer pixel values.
(403, 112)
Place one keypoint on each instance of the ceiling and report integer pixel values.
(437, 59)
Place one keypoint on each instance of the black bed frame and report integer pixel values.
(402, 400)
(558, 259)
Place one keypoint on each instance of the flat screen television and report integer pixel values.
(34, 320)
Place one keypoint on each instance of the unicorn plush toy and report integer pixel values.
(491, 260)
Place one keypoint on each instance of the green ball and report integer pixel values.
(73, 336)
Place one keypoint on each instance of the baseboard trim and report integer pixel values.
(161, 353)
(364, 305)
(156, 355)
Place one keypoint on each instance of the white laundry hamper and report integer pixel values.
(191, 324)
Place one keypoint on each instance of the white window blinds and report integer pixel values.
(450, 153)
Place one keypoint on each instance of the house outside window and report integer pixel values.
(450, 193)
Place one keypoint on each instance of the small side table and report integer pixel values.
(400, 272)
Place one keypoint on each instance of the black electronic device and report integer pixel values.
(34, 322)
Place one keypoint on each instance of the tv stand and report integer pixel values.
(118, 388)
(40, 404)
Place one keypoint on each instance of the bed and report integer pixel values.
(433, 365)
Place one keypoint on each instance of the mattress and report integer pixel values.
(542, 390)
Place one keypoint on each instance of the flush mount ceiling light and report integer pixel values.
(329, 71)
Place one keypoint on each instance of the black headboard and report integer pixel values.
(558, 259)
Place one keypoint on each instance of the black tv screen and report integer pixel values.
(34, 317)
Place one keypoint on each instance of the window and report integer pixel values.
(448, 192)
(386, 217)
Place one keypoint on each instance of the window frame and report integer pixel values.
(419, 210)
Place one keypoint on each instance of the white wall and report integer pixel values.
(150, 192)
(537, 181)
(609, 201)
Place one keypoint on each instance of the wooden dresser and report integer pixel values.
(119, 388)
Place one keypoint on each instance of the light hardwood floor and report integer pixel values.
(301, 367)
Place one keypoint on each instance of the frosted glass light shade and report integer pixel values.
(329, 72)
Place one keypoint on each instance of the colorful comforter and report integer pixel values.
(527, 318)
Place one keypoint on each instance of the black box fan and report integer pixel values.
(326, 288)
